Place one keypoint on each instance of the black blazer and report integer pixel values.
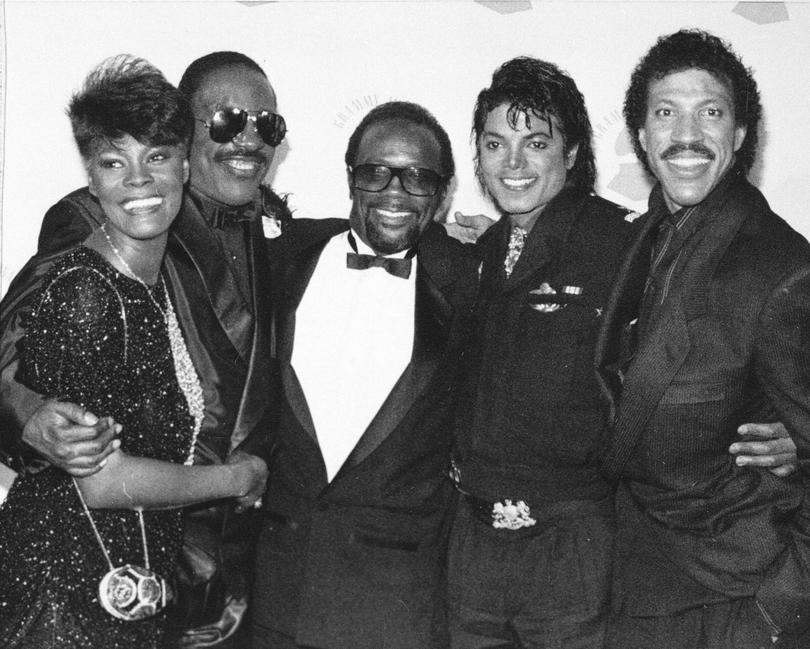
(532, 417)
(731, 345)
(355, 562)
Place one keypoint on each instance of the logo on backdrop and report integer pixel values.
(629, 178)
(353, 111)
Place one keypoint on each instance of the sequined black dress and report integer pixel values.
(98, 339)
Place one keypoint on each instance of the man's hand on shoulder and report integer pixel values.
(468, 227)
(70, 437)
(766, 445)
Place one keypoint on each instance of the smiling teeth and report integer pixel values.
(517, 182)
(393, 215)
(143, 203)
(689, 162)
(243, 165)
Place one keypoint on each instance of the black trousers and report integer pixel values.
(262, 638)
(540, 587)
(734, 624)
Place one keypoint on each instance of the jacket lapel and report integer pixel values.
(257, 384)
(656, 363)
(192, 234)
(433, 314)
(546, 241)
(615, 343)
(535, 255)
(295, 281)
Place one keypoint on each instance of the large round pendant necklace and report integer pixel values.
(128, 592)
(131, 592)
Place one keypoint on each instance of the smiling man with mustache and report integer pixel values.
(712, 554)
(370, 324)
(231, 171)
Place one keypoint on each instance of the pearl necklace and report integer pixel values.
(184, 370)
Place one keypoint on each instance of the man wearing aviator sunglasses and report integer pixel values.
(217, 247)
(226, 123)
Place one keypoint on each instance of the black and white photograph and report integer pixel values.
(404, 324)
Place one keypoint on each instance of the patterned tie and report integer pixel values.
(668, 245)
(517, 239)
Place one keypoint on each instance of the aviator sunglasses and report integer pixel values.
(414, 180)
(226, 123)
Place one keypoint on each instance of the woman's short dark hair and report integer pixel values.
(200, 68)
(690, 49)
(534, 88)
(127, 95)
(404, 111)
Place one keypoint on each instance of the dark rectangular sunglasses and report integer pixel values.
(414, 180)
(227, 123)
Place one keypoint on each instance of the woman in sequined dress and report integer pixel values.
(103, 333)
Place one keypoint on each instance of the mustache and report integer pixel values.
(698, 148)
(242, 152)
(393, 207)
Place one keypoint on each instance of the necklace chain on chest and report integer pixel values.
(132, 273)
(184, 369)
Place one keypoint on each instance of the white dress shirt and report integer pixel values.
(353, 339)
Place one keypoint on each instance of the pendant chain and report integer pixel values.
(98, 535)
(184, 369)
(131, 272)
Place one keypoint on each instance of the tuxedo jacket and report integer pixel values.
(355, 563)
(227, 333)
(729, 345)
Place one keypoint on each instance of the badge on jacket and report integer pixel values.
(546, 300)
(271, 226)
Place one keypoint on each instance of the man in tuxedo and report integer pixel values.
(711, 554)
(216, 268)
(370, 322)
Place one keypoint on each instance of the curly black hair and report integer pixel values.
(532, 87)
(127, 95)
(696, 49)
(404, 111)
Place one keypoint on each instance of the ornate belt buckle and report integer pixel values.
(506, 516)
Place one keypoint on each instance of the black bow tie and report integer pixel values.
(223, 216)
(392, 265)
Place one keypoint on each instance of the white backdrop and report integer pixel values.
(329, 62)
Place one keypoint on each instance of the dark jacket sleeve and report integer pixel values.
(782, 356)
(69, 222)
(66, 224)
